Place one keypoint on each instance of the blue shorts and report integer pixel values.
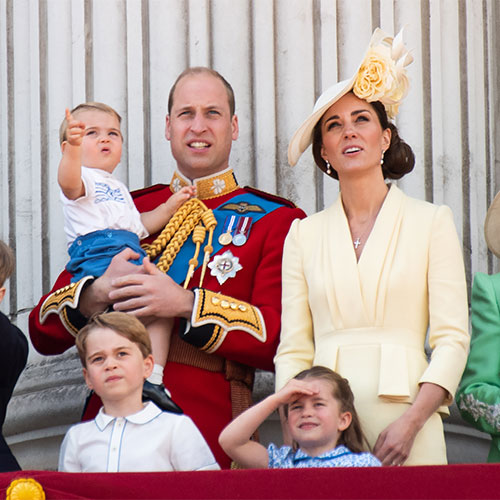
(91, 254)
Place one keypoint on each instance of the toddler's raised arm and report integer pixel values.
(69, 174)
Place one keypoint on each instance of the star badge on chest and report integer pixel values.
(224, 266)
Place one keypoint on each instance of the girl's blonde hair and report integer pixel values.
(352, 437)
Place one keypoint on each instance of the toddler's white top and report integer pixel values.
(106, 204)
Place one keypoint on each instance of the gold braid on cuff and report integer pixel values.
(226, 314)
(58, 301)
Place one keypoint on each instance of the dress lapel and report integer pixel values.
(375, 263)
(341, 277)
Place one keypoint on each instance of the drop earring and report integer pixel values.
(382, 159)
(328, 167)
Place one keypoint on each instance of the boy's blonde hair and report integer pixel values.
(7, 262)
(121, 323)
(87, 106)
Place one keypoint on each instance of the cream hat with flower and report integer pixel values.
(492, 226)
(381, 76)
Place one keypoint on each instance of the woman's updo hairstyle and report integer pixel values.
(398, 158)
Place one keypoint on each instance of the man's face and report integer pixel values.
(200, 127)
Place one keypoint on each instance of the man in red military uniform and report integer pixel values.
(230, 313)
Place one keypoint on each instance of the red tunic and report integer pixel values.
(198, 380)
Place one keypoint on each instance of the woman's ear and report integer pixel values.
(386, 139)
(323, 153)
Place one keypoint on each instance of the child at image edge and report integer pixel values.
(100, 218)
(320, 417)
(127, 435)
(13, 357)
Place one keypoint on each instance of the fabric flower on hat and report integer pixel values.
(382, 74)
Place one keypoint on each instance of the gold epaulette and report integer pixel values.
(58, 301)
(226, 313)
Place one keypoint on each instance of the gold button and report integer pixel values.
(215, 300)
(224, 304)
(233, 306)
(241, 307)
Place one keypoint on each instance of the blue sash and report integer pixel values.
(179, 267)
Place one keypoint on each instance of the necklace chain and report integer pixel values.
(359, 240)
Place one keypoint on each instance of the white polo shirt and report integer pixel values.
(106, 204)
(148, 441)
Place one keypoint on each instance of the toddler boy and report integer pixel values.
(127, 435)
(100, 218)
(13, 357)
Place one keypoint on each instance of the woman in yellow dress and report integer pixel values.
(366, 279)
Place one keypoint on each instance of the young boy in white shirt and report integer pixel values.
(127, 435)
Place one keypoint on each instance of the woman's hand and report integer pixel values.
(395, 442)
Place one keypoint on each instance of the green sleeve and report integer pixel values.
(478, 395)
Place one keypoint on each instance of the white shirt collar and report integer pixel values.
(148, 413)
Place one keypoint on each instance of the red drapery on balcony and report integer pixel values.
(441, 482)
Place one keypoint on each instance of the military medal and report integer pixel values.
(224, 266)
(242, 231)
(226, 237)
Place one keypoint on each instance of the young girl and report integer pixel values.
(321, 419)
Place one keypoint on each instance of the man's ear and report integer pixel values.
(2, 293)
(167, 127)
(63, 146)
(235, 127)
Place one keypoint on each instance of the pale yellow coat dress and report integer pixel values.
(368, 320)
